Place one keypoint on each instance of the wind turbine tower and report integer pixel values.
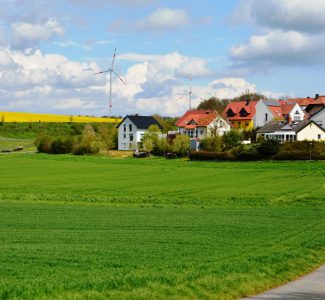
(188, 93)
(111, 70)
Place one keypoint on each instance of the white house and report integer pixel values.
(198, 124)
(271, 110)
(295, 131)
(131, 130)
(317, 113)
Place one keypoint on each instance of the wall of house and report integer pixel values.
(319, 118)
(261, 112)
(220, 125)
(311, 133)
(124, 141)
(297, 117)
(243, 124)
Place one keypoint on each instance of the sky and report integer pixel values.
(51, 50)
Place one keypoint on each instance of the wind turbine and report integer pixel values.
(111, 70)
(188, 93)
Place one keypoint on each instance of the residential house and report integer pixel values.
(295, 131)
(271, 110)
(241, 115)
(131, 130)
(198, 124)
(316, 113)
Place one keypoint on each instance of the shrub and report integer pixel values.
(246, 152)
(268, 148)
(89, 142)
(232, 139)
(44, 144)
(181, 145)
(301, 151)
(147, 144)
(62, 145)
(213, 144)
(206, 155)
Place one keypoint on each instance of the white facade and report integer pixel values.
(319, 118)
(218, 125)
(311, 133)
(263, 114)
(129, 135)
(297, 114)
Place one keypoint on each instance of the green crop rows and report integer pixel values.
(97, 228)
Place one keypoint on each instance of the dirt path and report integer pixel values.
(310, 287)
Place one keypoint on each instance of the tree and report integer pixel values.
(213, 103)
(232, 139)
(108, 136)
(249, 97)
(147, 144)
(181, 144)
(167, 123)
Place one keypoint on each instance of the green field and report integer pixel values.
(12, 143)
(96, 228)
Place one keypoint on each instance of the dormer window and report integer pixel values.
(243, 113)
(230, 113)
(297, 112)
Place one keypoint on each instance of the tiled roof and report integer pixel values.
(201, 118)
(236, 107)
(273, 126)
(313, 109)
(142, 122)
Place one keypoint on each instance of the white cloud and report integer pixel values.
(52, 83)
(164, 19)
(75, 103)
(25, 35)
(280, 48)
(296, 15)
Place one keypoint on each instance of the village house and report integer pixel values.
(241, 115)
(199, 124)
(316, 113)
(278, 110)
(295, 131)
(132, 129)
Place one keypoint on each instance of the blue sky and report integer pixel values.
(49, 53)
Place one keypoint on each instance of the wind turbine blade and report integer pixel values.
(113, 61)
(180, 98)
(101, 72)
(119, 77)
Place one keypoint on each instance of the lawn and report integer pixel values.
(12, 143)
(95, 228)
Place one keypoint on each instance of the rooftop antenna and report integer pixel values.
(188, 93)
(111, 70)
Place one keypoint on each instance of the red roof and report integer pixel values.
(236, 107)
(307, 101)
(196, 118)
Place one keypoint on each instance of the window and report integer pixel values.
(124, 136)
(266, 118)
(319, 137)
(130, 127)
(124, 127)
(190, 133)
(246, 123)
(131, 137)
(239, 124)
(201, 132)
(230, 113)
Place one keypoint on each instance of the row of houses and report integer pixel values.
(284, 120)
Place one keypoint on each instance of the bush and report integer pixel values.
(181, 145)
(62, 145)
(211, 144)
(268, 148)
(89, 143)
(246, 152)
(206, 155)
(301, 151)
(232, 139)
(44, 144)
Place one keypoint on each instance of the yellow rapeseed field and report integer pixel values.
(32, 117)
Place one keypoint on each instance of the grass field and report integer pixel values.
(33, 117)
(12, 143)
(96, 228)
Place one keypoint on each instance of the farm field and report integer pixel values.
(95, 228)
(12, 143)
(33, 117)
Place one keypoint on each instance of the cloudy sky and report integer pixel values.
(50, 50)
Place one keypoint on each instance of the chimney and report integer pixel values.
(247, 102)
(316, 96)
